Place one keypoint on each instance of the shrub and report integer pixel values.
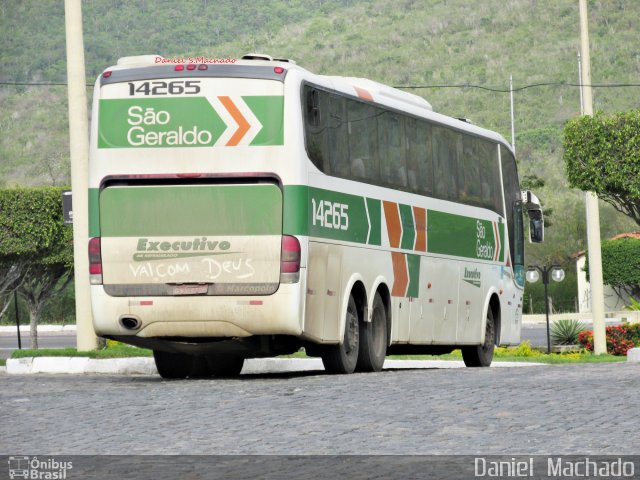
(635, 305)
(565, 332)
(620, 338)
(522, 350)
(621, 266)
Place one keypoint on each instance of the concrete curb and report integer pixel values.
(146, 365)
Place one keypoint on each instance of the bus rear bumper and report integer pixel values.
(199, 316)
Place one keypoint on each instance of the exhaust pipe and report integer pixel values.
(130, 323)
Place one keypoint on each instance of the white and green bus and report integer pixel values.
(252, 208)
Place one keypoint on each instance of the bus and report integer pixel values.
(252, 208)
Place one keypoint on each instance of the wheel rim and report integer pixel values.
(378, 328)
(351, 331)
(489, 336)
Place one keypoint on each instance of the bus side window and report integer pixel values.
(470, 173)
(445, 163)
(362, 141)
(490, 177)
(338, 137)
(419, 156)
(392, 160)
(425, 158)
(313, 107)
(513, 203)
(315, 127)
(411, 139)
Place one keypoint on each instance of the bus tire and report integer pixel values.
(199, 367)
(373, 339)
(173, 365)
(482, 355)
(342, 358)
(225, 365)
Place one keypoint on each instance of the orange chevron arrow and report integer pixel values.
(394, 226)
(400, 277)
(243, 125)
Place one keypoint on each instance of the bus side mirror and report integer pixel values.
(536, 218)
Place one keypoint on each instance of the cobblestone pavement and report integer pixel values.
(550, 410)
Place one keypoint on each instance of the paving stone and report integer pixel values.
(551, 410)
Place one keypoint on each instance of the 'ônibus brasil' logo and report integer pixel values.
(148, 249)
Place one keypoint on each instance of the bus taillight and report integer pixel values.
(289, 260)
(95, 261)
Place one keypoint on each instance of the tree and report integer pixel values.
(11, 277)
(602, 155)
(34, 238)
(621, 266)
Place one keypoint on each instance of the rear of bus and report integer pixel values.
(187, 167)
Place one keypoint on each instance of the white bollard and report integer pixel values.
(633, 355)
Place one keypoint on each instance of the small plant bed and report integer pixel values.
(3, 362)
(537, 357)
(112, 351)
(566, 332)
(620, 338)
(522, 353)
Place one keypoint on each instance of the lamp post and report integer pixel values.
(557, 275)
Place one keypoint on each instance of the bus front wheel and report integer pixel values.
(343, 358)
(482, 355)
(373, 339)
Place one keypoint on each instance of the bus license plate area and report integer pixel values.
(188, 289)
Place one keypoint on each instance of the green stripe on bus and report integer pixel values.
(94, 212)
(460, 236)
(191, 210)
(247, 209)
(295, 214)
(408, 228)
(338, 216)
(413, 263)
(269, 110)
(374, 208)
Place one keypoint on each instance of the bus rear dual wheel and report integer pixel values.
(364, 345)
(181, 365)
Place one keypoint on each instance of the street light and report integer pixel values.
(557, 275)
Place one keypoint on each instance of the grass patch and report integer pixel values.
(524, 353)
(521, 353)
(3, 362)
(118, 350)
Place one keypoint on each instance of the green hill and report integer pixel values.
(400, 43)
